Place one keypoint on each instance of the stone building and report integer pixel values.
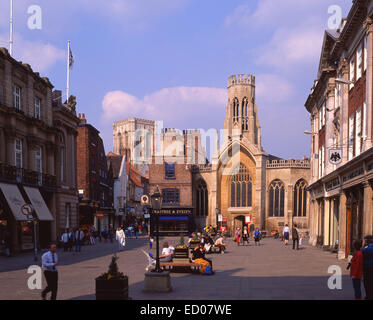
(239, 179)
(37, 156)
(95, 178)
(340, 105)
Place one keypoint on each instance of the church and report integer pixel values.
(240, 183)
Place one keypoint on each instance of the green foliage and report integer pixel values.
(113, 272)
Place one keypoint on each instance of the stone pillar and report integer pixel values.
(326, 222)
(342, 226)
(289, 205)
(368, 210)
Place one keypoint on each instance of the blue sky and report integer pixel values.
(170, 59)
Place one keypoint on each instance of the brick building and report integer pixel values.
(37, 156)
(95, 178)
(340, 105)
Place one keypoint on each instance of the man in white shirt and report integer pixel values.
(65, 240)
(79, 236)
(49, 264)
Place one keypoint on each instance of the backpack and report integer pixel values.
(208, 270)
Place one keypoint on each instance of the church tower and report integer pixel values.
(242, 112)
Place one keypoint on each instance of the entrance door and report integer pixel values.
(239, 222)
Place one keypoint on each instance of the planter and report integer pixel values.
(113, 289)
(181, 253)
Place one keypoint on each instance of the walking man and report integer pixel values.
(295, 236)
(79, 236)
(121, 238)
(368, 267)
(65, 240)
(49, 263)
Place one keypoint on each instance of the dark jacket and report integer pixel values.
(368, 256)
(294, 233)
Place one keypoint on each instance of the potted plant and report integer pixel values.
(112, 285)
(181, 250)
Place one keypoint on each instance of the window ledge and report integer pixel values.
(240, 210)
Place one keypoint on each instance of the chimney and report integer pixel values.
(82, 118)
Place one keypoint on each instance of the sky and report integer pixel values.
(170, 60)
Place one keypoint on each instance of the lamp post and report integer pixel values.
(157, 205)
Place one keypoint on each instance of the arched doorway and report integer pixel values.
(239, 222)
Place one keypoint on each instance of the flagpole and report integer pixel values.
(68, 71)
(11, 29)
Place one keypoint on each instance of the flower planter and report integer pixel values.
(113, 289)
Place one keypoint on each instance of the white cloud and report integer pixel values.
(177, 106)
(40, 56)
(290, 47)
(272, 89)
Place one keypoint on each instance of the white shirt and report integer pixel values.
(47, 261)
(65, 237)
(81, 235)
(166, 251)
(286, 229)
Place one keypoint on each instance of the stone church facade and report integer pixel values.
(243, 180)
(240, 179)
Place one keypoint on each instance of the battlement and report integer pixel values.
(241, 79)
(303, 164)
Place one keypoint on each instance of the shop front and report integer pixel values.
(172, 221)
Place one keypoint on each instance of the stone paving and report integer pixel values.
(271, 271)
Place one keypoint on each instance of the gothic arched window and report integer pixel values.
(241, 188)
(276, 199)
(236, 110)
(300, 199)
(245, 114)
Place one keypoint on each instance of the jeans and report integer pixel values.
(52, 284)
(78, 246)
(356, 283)
(368, 282)
(296, 241)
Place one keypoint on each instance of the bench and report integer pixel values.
(180, 266)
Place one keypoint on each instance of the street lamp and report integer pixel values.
(157, 205)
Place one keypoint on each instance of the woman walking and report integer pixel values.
(121, 238)
(356, 268)
(245, 236)
(286, 234)
(238, 236)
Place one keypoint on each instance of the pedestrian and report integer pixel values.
(150, 242)
(130, 231)
(71, 240)
(368, 267)
(136, 229)
(286, 234)
(65, 240)
(245, 236)
(257, 237)
(105, 234)
(238, 236)
(295, 236)
(91, 238)
(356, 268)
(49, 264)
(111, 233)
(8, 244)
(121, 238)
(79, 236)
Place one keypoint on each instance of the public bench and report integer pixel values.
(175, 266)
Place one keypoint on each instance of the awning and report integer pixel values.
(15, 200)
(39, 205)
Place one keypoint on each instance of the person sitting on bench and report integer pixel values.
(167, 253)
(199, 256)
(219, 243)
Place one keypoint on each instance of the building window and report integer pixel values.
(359, 62)
(365, 53)
(18, 153)
(358, 133)
(169, 170)
(300, 199)
(352, 71)
(37, 108)
(171, 197)
(321, 161)
(241, 188)
(17, 97)
(245, 114)
(202, 200)
(276, 205)
(236, 111)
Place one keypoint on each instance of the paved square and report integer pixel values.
(271, 271)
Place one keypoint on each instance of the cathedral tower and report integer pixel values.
(242, 112)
